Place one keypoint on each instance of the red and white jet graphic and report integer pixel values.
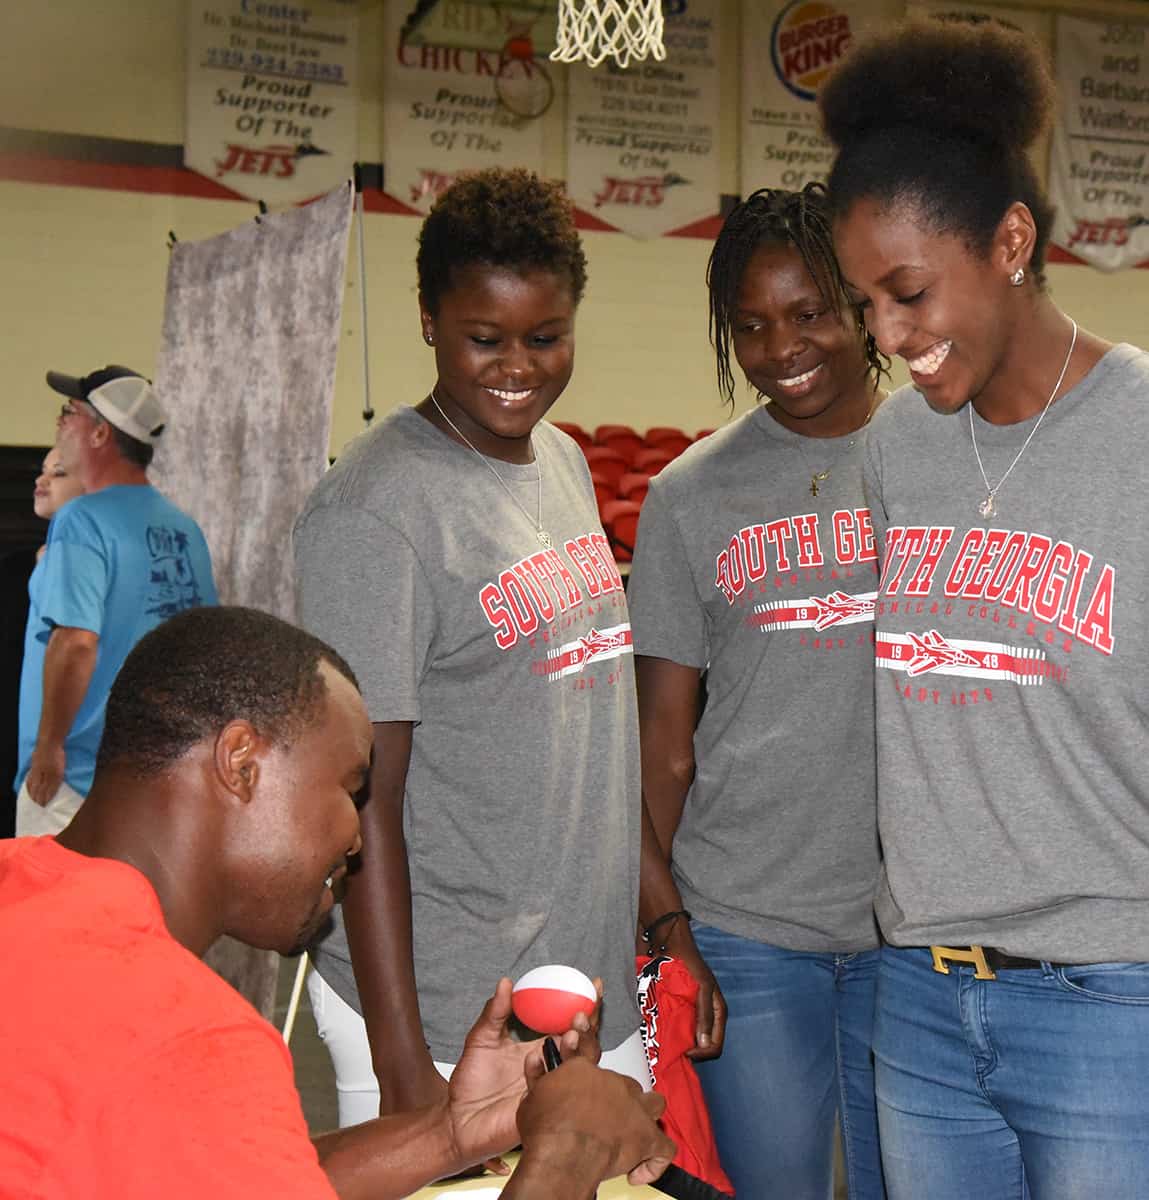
(931, 651)
(839, 607)
(594, 645)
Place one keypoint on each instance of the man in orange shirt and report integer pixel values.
(224, 802)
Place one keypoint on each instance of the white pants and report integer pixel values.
(345, 1035)
(33, 819)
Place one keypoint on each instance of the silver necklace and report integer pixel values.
(537, 522)
(987, 508)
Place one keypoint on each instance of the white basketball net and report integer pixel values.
(591, 30)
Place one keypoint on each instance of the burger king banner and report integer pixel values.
(787, 50)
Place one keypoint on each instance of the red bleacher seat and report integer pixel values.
(575, 431)
(673, 441)
(652, 460)
(607, 463)
(604, 490)
(625, 441)
(620, 520)
(633, 485)
(602, 431)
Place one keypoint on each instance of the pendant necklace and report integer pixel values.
(820, 477)
(537, 521)
(987, 508)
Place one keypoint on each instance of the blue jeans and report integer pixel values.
(797, 1056)
(1031, 1086)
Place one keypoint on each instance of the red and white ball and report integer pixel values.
(548, 998)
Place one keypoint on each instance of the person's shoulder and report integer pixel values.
(82, 517)
(379, 475)
(903, 409)
(901, 401)
(378, 465)
(701, 461)
(559, 443)
(1125, 364)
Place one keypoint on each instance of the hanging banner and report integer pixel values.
(642, 143)
(1036, 24)
(782, 146)
(1099, 168)
(272, 104)
(448, 109)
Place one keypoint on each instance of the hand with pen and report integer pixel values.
(578, 1126)
(583, 1124)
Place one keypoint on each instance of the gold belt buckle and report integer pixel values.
(974, 955)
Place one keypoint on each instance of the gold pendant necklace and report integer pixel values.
(817, 478)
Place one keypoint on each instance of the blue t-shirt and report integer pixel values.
(118, 563)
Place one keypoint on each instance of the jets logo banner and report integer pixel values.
(1099, 167)
(272, 102)
(642, 143)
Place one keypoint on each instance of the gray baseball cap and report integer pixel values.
(123, 397)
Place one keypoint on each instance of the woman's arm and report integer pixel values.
(377, 913)
(668, 697)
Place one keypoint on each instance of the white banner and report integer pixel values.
(442, 112)
(642, 143)
(272, 105)
(247, 371)
(787, 50)
(1036, 24)
(1099, 169)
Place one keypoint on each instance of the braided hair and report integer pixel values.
(772, 216)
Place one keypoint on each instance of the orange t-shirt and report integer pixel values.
(128, 1069)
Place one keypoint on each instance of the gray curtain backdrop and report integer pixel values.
(247, 375)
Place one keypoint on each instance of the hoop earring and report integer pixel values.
(1018, 277)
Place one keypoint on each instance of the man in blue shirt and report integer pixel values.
(120, 560)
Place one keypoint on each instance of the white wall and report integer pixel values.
(83, 268)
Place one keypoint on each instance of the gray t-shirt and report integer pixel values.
(739, 570)
(522, 805)
(1013, 659)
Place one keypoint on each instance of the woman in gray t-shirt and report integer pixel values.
(755, 568)
(1010, 493)
(455, 557)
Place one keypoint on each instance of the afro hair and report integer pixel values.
(941, 114)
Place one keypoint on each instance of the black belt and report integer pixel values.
(985, 959)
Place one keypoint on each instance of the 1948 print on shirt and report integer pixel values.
(1013, 581)
(792, 546)
(539, 599)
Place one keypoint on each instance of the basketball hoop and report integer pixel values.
(591, 30)
(523, 85)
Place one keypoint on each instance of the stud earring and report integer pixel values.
(428, 338)
(1018, 277)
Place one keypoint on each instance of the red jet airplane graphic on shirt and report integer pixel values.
(931, 651)
(839, 606)
(593, 644)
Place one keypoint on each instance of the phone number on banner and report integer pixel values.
(270, 64)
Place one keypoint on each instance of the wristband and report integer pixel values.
(649, 931)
